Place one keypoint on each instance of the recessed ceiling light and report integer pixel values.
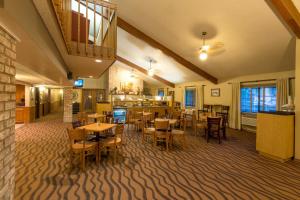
(98, 61)
(90, 76)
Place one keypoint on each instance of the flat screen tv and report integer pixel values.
(78, 83)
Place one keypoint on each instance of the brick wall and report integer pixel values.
(68, 95)
(7, 114)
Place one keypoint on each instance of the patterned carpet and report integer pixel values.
(232, 170)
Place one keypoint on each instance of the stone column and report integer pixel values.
(7, 114)
(68, 96)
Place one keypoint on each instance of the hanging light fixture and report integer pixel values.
(203, 50)
(150, 70)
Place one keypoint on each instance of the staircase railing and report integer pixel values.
(89, 27)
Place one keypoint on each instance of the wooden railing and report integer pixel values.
(89, 27)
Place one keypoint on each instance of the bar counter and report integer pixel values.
(275, 135)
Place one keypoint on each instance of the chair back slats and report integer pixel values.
(76, 124)
(213, 122)
(82, 117)
(77, 135)
(161, 125)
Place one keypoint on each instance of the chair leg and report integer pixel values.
(207, 135)
(83, 161)
(115, 155)
(219, 136)
(71, 160)
(167, 144)
(97, 155)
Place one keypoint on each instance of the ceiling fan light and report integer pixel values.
(150, 72)
(205, 47)
(203, 55)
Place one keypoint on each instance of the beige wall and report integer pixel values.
(120, 76)
(29, 96)
(297, 101)
(93, 83)
(225, 87)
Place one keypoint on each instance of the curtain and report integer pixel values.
(183, 98)
(200, 94)
(282, 86)
(235, 110)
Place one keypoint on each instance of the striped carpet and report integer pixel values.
(232, 170)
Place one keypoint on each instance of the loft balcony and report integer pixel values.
(88, 27)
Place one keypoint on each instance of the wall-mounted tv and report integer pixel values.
(78, 83)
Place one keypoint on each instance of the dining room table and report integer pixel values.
(98, 128)
(96, 116)
(172, 122)
(204, 116)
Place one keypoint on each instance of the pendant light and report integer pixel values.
(203, 50)
(150, 70)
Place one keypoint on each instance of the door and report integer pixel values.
(37, 103)
(88, 100)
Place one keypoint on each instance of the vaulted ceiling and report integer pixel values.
(255, 41)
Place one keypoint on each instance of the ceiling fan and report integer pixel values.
(207, 49)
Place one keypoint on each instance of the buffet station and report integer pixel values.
(121, 104)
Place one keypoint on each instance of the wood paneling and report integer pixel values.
(25, 114)
(20, 92)
(275, 135)
(288, 12)
(139, 34)
(144, 71)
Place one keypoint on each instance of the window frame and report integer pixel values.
(195, 97)
(261, 106)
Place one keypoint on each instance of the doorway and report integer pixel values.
(37, 103)
(90, 97)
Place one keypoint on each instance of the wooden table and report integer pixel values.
(172, 122)
(204, 117)
(98, 128)
(96, 116)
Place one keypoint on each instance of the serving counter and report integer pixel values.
(275, 135)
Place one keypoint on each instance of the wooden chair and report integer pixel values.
(147, 131)
(80, 146)
(162, 132)
(213, 127)
(207, 108)
(138, 120)
(198, 124)
(130, 118)
(179, 134)
(177, 115)
(76, 124)
(189, 118)
(225, 109)
(83, 118)
(224, 117)
(115, 143)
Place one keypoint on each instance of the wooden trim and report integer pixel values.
(287, 11)
(144, 71)
(139, 34)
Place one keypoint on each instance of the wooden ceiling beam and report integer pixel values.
(139, 34)
(288, 12)
(144, 71)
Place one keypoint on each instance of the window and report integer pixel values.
(161, 92)
(190, 97)
(255, 99)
